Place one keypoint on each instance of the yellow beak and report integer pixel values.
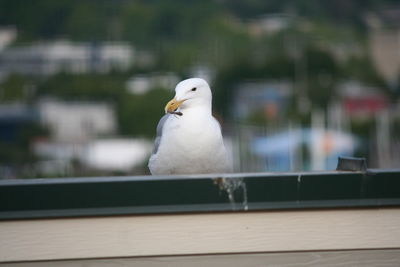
(173, 105)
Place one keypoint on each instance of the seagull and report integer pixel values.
(189, 138)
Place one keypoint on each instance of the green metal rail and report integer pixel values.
(102, 196)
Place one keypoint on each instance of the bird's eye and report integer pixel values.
(194, 89)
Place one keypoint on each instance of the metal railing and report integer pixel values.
(42, 198)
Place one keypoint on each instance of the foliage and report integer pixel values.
(361, 68)
(15, 88)
(139, 114)
(322, 74)
(84, 86)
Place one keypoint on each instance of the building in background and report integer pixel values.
(8, 34)
(49, 58)
(77, 121)
(140, 84)
(270, 23)
(120, 155)
(361, 101)
(384, 42)
(84, 135)
(14, 117)
(268, 97)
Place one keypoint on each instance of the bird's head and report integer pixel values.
(190, 93)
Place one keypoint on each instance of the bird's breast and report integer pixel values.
(189, 136)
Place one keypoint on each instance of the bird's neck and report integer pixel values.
(196, 106)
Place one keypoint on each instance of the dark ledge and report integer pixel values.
(102, 196)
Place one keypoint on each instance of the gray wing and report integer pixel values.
(160, 126)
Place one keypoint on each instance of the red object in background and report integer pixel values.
(368, 105)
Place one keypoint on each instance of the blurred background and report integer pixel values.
(296, 83)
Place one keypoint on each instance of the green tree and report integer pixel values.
(84, 86)
(139, 114)
(15, 88)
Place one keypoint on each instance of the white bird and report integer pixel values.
(189, 138)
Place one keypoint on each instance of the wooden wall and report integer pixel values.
(320, 235)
